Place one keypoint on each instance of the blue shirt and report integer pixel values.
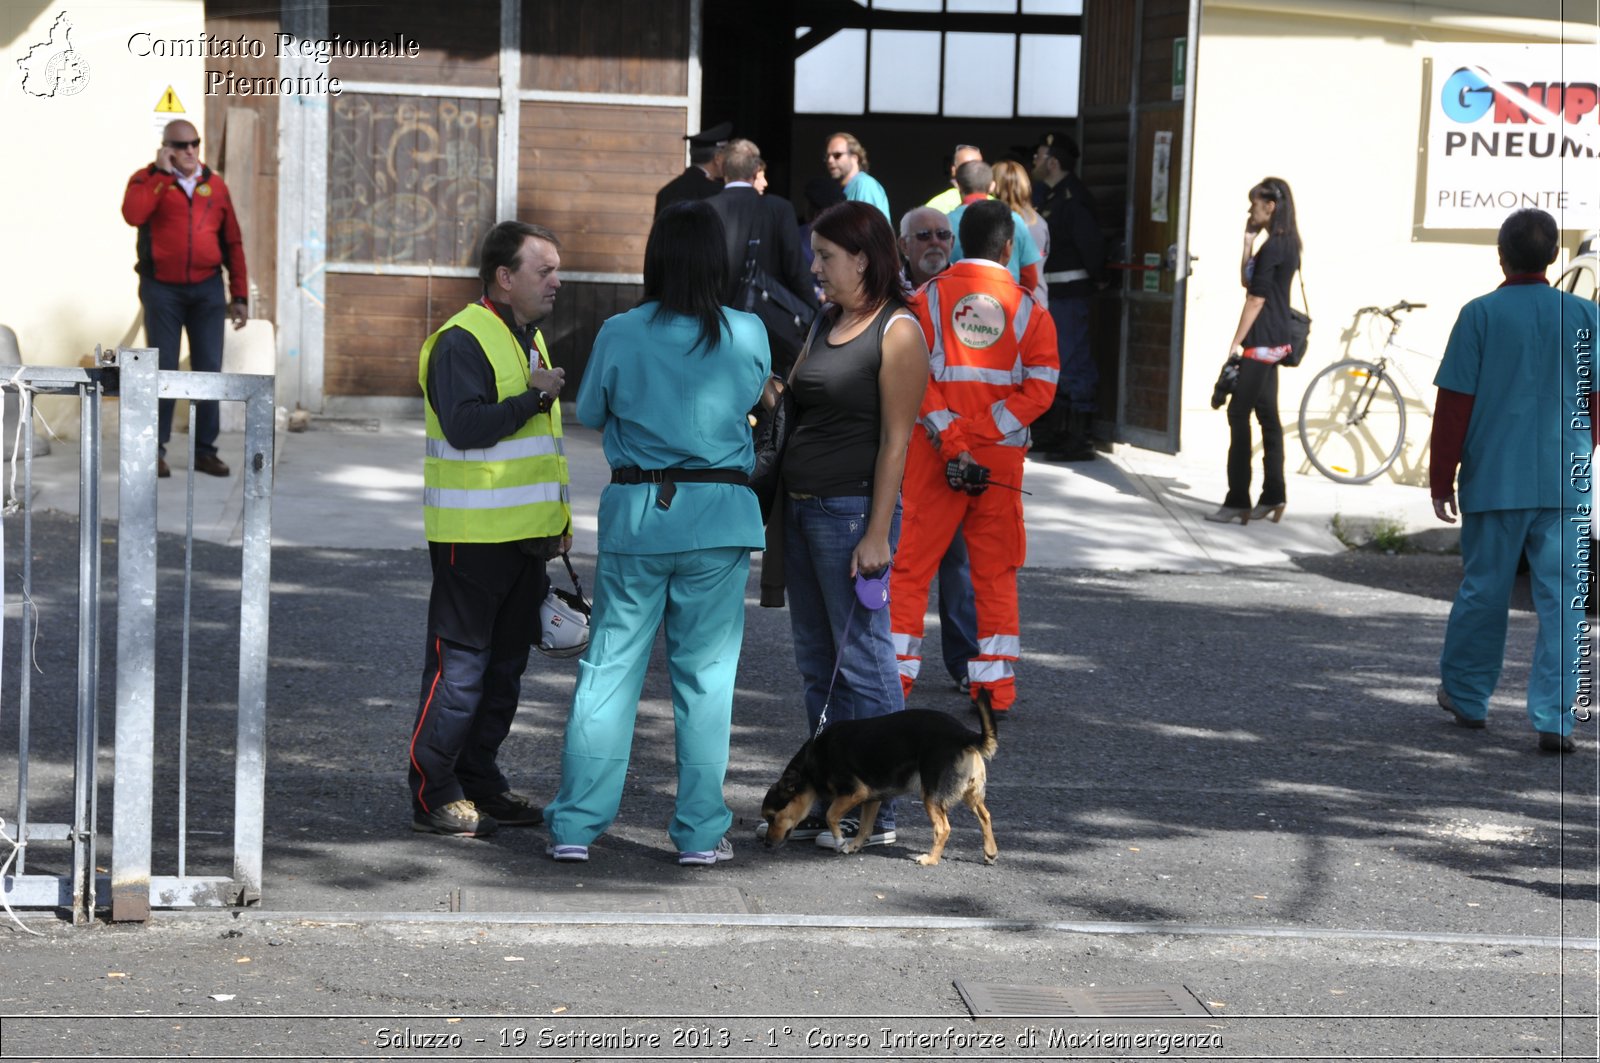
(865, 188)
(1526, 354)
(1024, 250)
(664, 402)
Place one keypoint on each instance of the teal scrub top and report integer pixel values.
(1525, 353)
(1024, 250)
(664, 402)
(864, 188)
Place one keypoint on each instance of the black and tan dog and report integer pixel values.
(865, 762)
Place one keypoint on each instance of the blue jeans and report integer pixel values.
(958, 610)
(201, 310)
(829, 622)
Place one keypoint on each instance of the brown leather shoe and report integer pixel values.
(210, 464)
(162, 470)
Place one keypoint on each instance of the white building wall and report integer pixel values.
(66, 272)
(1332, 104)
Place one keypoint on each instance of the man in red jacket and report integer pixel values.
(188, 231)
(993, 371)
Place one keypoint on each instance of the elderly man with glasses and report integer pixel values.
(188, 231)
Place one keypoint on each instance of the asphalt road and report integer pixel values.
(1237, 783)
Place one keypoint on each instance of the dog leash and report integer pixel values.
(838, 659)
(865, 590)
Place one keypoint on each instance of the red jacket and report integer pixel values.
(993, 357)
(185, 240)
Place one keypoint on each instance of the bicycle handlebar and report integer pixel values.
(1389, 312)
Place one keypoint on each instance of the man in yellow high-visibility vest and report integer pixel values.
(495, 509)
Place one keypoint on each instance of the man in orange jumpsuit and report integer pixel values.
(994, 369)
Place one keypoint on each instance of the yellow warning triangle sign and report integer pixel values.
(169, 103)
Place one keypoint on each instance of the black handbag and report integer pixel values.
(1299, 330)
(785, 315)
(771, 433)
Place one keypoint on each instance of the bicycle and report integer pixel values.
(1353, 414)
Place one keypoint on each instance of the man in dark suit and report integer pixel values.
(703, 178)
(749, 215)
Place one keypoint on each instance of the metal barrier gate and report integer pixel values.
(131, 889)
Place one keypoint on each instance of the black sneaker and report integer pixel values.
(807, 829)
(510, 809)
(880, 835)
(1551, 742)
(459, 818)
(1448, 704)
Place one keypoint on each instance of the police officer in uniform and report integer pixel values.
(703, 178)
(1074, 271)
(495, 509)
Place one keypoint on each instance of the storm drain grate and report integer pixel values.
(686, 900)
(1169, 1000)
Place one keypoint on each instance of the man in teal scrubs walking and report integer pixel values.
(1514, 411)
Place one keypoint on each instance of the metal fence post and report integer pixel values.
(250, 766)
(131, 819)
(88, 732)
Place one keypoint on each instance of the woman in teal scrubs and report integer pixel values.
(669, 383)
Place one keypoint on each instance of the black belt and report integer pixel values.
(670, 478)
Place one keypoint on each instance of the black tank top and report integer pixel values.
(833, 450)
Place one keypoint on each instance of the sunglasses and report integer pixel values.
(839, 154)
(941, 234)
(184, 144)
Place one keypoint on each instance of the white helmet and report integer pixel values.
(564, 620)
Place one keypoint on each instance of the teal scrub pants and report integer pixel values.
(700, 596)
(1475, 640)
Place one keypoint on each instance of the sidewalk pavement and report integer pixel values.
(357, 484)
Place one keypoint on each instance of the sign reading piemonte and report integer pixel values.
(1512, 126)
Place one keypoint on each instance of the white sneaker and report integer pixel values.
(568, 854)
(723, 851)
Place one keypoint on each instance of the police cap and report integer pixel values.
(714, 137)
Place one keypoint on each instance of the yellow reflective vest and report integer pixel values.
(515, 489)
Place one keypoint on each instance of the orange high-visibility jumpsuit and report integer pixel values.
(994, 367)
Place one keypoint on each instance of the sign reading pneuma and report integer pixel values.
(1511, 126)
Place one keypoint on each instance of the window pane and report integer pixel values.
(1049, 80)
(987, 7)
(907, 5)
(1052, 7)
(410, 178)
(979, 70)
(905, 72)
(832, 77)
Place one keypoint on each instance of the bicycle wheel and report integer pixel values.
(1352, 422)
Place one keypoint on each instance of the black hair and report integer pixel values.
(686, 267)
(502, 246)
(1529, 240)
(1284, 223)
(985, 228)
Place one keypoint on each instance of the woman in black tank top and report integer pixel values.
(857, 390)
